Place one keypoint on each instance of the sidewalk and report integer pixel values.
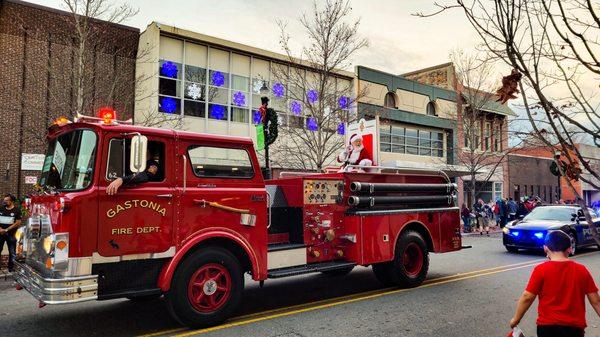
(493, 230)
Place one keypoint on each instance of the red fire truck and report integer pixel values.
(209, 218)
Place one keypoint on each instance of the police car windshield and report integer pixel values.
(551, 213)
(69, 161)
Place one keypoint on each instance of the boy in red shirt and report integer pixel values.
(562, 286)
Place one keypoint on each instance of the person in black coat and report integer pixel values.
(150, 174)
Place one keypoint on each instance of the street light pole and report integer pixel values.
(264, 91)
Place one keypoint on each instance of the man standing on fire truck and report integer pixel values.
(10, 220)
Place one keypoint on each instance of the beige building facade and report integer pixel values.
(201, 83)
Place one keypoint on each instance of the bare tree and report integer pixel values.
(318, 96)
(554, 45)
(483, 151)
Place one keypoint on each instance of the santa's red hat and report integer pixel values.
(354, 137)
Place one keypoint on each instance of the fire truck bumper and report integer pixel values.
(56, 290)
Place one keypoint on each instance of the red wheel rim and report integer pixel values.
(209, 288)
(413, 259)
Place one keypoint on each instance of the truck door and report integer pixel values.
(139, 218)
(224, 191)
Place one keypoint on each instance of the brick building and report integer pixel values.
(37, 52)
(529, 174)
(481, 148)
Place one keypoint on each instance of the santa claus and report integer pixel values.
(354, 154)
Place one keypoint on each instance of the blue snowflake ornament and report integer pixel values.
(311, 124)
(278, 90)
(312, 96)
(169, 69)
(217, 79)
(239, 98)
(168, 105)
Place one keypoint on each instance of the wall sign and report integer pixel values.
(31, 180)
(32, 161)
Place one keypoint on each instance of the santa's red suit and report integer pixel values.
(354, 155)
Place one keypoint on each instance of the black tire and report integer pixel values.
(338, 272)
(512, 249)
(401, 272)
(178, 301)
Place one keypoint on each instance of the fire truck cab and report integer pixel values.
(208, 217)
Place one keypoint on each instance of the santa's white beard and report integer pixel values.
(355, 154)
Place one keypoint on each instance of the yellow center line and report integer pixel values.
(322, 304)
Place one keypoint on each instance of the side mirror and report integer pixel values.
(137, 153)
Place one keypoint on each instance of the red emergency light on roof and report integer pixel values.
(107, 114)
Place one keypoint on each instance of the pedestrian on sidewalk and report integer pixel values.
(512, 207)
(465, 213)
(10, 220)
(561, 285)
(480, 217)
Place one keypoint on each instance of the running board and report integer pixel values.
(309, 268)
(275, 247)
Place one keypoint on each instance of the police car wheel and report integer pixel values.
(206, 288)
(410, 264)
(512, 249)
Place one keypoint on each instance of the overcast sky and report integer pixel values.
(399, 41)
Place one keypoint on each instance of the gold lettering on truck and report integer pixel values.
(112, 212)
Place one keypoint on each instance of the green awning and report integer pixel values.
(488, 104)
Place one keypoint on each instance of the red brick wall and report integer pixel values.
(37, 50)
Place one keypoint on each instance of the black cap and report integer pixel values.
(557, 241)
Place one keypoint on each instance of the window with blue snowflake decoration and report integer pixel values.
(168, 105)
(296, 108)
(239, 98)
(217, 111)
(312, 96)
(217, 79)
(169, 69)
(278, 90)
(311, 124)
(256, 117)
(344, 102)
(341, 129)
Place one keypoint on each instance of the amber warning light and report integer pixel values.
(108, 115)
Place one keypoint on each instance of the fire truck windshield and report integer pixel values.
(69, 162)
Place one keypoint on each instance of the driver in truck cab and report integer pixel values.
(150, 174)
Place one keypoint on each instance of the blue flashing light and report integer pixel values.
(515, 233)
(538, 235)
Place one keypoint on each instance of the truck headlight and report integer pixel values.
(57, 248)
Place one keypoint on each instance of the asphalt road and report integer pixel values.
(468, 293)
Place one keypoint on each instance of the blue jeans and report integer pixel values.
(11, 242)
(467, 222)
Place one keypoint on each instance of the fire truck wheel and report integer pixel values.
(206, 288)
(410, 264)
(338, 272)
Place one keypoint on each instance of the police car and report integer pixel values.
(529, 232)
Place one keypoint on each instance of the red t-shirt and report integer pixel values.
(561, 287)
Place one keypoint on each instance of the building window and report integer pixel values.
(169, 87)
(487, 133)
(217, 162)
(498, 190)
(431, 109)
(472, 132)
(390, 100)
(498, 137)
(396, 139)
